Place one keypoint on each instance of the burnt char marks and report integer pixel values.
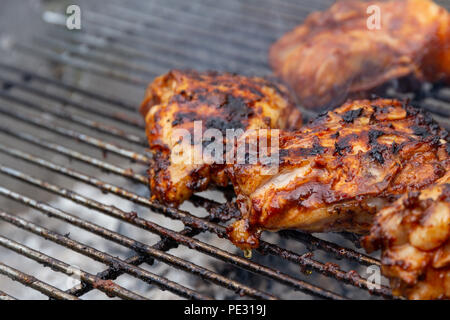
(236, 111)
(182, 117)
(377, 153)
(351, 115)
(343, 144)
(315, 150)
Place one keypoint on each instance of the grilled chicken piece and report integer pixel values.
(220, 101)
(333, 55)
(338, 171)
(414, 236)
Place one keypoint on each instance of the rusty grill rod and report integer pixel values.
(99, 24)
(34, 283)
(97, 42)
(330, 247)
(142, 17)
(103, 58)
(137, 259)
(134, 51)
(105, 166)
(303, 237)
(188, 219)
(99, 256)
(108, 287)
(128, 242)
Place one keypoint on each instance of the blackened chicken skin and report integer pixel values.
(220, 101)
(333, 55)
(338, 171)
(414, 236)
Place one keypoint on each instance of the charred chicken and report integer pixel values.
(414, 236)
(335, 173)
(181, 106)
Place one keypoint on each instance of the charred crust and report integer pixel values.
(420, 131)
(411, 200)
(351, 115)
(374, 135)
(342, 146)
(377, 153)
(396, 147)
(315, 150)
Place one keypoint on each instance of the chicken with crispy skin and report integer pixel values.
(334, 55)
(414, 236)
(176, 101)
(335, 173)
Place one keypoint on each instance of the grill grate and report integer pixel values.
(123, 45)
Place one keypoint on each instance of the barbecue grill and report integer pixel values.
(74, 200)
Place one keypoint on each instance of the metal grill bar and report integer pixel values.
(163, 232)
(260, 16)
(63, 114)
(112, 273)
(83, 65)
(136, 30)
(99, 58)
(122, 118)
(130, 243)
(113, 34)
(330, 247)
(195, 222)
(34, 283)
(181, 25)
(5, 296)
(110, 288)
(105, 146)
(28, 75)
(106, 30)
(102, 257)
